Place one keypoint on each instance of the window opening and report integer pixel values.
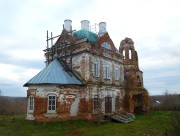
(106, 45)
(117, 102)
(96, 70)
(51, 103)
(31, 103)
(116, 74)
(107, 72)
(96, 103)
(130, 54)
(124, 54)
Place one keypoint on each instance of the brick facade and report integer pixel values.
(109, 81)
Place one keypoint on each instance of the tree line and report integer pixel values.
(166, 102)
(12, 105)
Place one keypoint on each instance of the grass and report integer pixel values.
(154, 123)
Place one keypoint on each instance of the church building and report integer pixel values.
(86, 75)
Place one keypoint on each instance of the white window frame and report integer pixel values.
(50, 106)
(106, 71)
(116, 73)
(96, 69)
(31, 104)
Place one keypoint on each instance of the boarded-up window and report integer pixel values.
(117, 102)
(96, 103)
(138, 81)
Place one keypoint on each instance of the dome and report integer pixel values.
(92, 37)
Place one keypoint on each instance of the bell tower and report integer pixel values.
(136, 97)
(131, 66)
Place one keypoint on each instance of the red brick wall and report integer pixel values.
(40, 107)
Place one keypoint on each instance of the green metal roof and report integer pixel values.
(54, 73)
(92, 37)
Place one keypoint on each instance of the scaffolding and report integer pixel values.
(62, 47)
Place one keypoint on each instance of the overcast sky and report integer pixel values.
(154, 26)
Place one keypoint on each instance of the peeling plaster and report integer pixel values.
(74, 107)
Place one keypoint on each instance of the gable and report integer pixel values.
(106, 42)
(65, 37)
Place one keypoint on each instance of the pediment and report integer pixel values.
(105, 39)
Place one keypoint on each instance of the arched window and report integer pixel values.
(130, 54)
(106, 45)
(124, 53)
(31, 104)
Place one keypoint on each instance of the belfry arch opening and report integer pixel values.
(130, 54)
(124, 53)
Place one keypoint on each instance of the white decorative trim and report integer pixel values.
(51, 115)
(52, 93)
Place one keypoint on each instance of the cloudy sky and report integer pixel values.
(154, 26)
